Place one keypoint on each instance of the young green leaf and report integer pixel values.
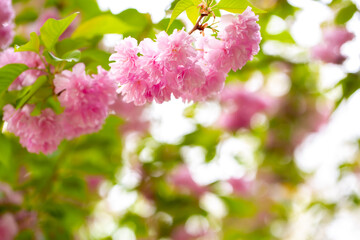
(345, 14)
(32, 90)
(193, 14)
(52, 30)
(180, 7)
(33, 45)
(101, 25)
(72, 56)
(237, 6)
(9, 73)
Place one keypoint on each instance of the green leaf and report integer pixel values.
(9, 73)
(162, 25)
(32, 90)
(25, 16)
(237, 6)
(345, 14)
(180, 7)
(193, 14)
(72, 56)
(52, 30)
(33, 45)
(101, 25)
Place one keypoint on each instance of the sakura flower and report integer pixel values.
(240, 186)
(86, 99)
(176, 49)
(242, 38)
(182, 180)
(9, 196)
(6, 23)
(8, 227)
(31, 59)
(37, 133)
(6, 35)
(7, 13)
(240, 107)
(132, 114)
(125, 60)
(330, 49)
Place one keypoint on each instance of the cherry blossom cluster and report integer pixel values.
(329, 50)
(86, 100)
(182, 65)
(6, 23)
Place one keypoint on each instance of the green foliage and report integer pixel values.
(180, 7)
(9, 73)
(33, 45)
(52, 30)
(25, 16)
(237, 6)
(100, 25)
(345, 14)
(31, 90)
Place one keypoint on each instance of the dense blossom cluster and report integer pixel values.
(30, 59)
(173, 66)
(6, 23)
(176, 64)
(329, 50)
(86, 100)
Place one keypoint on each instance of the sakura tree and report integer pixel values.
(81, 156)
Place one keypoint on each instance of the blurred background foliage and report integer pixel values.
(120, 185)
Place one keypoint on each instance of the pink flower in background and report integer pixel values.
(180, 233)
(330, 49)
(240, 186)
(30, 59)
(6, 35)
(9, 196)
(8, 227)
(37, 133)
(7, 15)
(132, 114)
(239, 108)
(182, 180)
(86, 99)
(93, 182)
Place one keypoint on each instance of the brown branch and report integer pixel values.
(198, 26)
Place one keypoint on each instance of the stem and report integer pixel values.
(197, 25)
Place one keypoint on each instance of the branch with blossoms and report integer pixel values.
(60, 103)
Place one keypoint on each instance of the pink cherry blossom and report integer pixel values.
(242, 38)
(330, 49)
(37, 133)
(132, 114)
(31, 59)
(7, 13)
(181, 66)
(240, 186)
(182, 180)
(6, 35)
(9, 196)
(240, 106)
(8, 227)
(126, 58)
(86, 99)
